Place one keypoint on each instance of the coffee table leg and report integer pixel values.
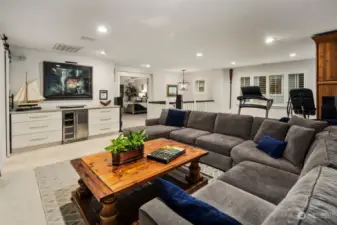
(194, 175)
(83, 191)
(109, 212)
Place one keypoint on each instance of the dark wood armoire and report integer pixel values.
(326, 45)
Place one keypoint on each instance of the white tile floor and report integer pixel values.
(20, 201)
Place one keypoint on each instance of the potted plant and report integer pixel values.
(131, 91)
(127, 149)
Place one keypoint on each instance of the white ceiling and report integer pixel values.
(168, 33)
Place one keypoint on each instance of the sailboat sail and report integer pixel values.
(20, 96)
(32, 91)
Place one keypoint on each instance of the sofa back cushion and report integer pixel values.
(257, 121)
(311, 201)
(324, 153)
(201, 120)
(163, 117)
(314, 124)
(233, 125)
(164, 114)
(275, 129)
(299, 140)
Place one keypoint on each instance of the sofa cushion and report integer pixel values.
(192, 209)
(218, 143)
(217, 160)
(299, 140)
(187, 135)
(233, 125)
(328, 132)
(312, 200)
(163, 117)
(324, 154)
(257, 121)
(266, 182)
(175, 118)
(201, 120)
(272, 128)
(272, 146)
(153, 132)
(243, 206)
(247, 151)
(314, 124)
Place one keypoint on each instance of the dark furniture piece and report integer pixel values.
(253, 93)
(103, 184)
(301, 101)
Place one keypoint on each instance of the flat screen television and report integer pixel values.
(62, 81)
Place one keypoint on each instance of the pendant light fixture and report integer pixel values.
(183, 86)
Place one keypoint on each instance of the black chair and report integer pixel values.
(301, 102)
(253, 93)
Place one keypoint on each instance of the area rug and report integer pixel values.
(57, 181)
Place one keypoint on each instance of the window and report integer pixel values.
(276, 88)
(295, 81)
(261, 81)
(245, 81)
(200, 86)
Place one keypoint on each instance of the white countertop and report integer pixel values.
(57, 109)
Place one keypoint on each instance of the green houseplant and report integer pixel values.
(127, 149)
(131, 91)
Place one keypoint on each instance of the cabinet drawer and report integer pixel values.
(103, 129)
(36, 127)
(21, 141)
(103, 120)
(28, 117)
(103, 113)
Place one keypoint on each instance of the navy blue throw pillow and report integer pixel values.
(194, 210)
(272, 146)
(175, 118)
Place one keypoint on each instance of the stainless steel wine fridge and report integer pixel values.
(75, 125)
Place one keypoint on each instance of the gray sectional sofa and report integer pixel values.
(255, 188)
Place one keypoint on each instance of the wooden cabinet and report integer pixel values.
(326, 46)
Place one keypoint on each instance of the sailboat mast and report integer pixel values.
(26, 91)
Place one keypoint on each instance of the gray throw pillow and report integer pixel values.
(299, 140)
(163, 117)
(272, 128)
(314, 124)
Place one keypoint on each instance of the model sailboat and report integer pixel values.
(29, 96)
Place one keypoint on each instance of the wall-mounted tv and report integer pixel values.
(64, 81)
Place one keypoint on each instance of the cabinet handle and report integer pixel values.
(39, 139)
(105, 111)
(38, 127)
(105, 119)
(105, 129)
(37, 117)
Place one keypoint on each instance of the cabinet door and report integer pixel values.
(327, 61)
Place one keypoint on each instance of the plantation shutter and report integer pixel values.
(245, 81)
(276, 88)
(295, 81)
(261, 81)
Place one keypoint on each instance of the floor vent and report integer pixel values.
(66, 48)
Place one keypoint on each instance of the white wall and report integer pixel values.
(103, 72)
(308, 67)
(2, 107)
(160, 81)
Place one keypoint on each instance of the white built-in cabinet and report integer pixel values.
(33, 129)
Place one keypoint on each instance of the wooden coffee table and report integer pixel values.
(104, 182)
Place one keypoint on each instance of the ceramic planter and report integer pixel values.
(129, 156)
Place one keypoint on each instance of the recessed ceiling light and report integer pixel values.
(102, 29)
(102, 52)
(292, 55)
(199, 54)
(233, 63)
(146, 65)
(270, 40)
